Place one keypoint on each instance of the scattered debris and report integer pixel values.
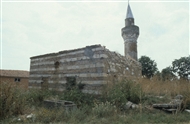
(67, 105)
(23, 118)
(175, 105)
(149, 107)
(131, 105)
(161, 97)
(30, 116)
(187, 110)
(179, 97)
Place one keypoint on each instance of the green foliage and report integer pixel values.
(151, 99)
(46, 115)
(36, 96)
(74, 93)
(122, 92)
(71, 82)
(12, 100)
(167, 74)
(78, 97)
(149, 67)
(80, 86)
(186, 101)
(181, 67)
(158, 75)
(104, 109)
(78, 115)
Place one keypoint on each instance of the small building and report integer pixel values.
(16, 77)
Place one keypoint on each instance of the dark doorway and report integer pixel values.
(44, 83)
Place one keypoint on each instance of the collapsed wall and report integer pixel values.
(93, 66)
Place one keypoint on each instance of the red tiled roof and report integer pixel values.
(14, 73)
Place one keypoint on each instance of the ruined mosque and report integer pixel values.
(93, 65)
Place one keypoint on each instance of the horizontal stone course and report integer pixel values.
(90, 65)
(60, 83)
(67, 52)
(66, 66)
(65, 60)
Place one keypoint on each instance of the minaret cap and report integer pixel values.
(129, 12)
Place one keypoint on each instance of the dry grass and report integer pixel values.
(102, 111)
(160, 88)
(12, 100)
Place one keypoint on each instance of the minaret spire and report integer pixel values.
(129, 12)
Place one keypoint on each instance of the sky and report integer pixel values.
(30, 28)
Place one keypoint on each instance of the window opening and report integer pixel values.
(71, 82)
(17, 79)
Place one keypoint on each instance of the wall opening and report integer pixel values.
(17, 79)
(44, 83)
(56, 64)
(71, 82)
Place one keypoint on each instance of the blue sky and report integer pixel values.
(34, 28)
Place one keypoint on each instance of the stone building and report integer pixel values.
(15, 77)
(93, 65)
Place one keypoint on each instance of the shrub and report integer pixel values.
(12, 100)
(49, 115)
(78, 97)
(78, 115)
(186, 100)
(104, 109)
(45, 115)
(151, 99)
(118, 94)
(74, 93)
(71, 82)
(36, 96)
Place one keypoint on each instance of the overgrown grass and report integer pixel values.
(167, 89)
(160, 88)
(36, 96)
(16, 101)
(12, 100)
(106, 108)
(85, 116)
(77, 96)
(118, 94)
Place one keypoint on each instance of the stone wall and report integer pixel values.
(92, 65)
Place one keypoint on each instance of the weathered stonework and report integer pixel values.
(92, 65)
(130, 34)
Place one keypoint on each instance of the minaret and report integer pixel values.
(130, 34)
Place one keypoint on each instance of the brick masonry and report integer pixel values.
(15, 78)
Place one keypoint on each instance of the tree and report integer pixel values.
(167, 74)
(149, 67)
(157, 75)
(181, 67)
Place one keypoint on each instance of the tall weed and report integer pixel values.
(104, 109)
(36, 96)
(78, 97)
(12, 100)
(121, 92)
(161, 88)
